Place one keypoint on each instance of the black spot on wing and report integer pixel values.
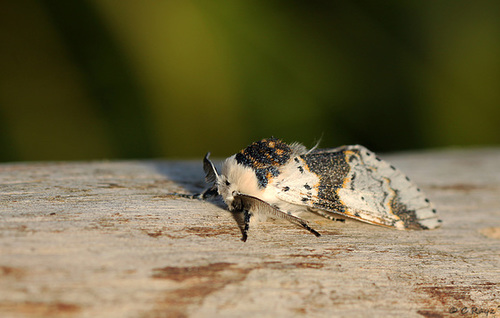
(264, 174)
(353, 177)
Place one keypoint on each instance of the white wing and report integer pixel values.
(352, 181)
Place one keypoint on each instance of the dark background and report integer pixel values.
(109, 79)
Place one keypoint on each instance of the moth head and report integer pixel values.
(227, 190)
(221, 182)
(235, 179)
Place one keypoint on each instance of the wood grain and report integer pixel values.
(105, 239)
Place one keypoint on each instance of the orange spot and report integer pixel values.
(305, 166)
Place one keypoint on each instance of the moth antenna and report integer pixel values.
(315, 146)
(209, 193)
(211, 174)
(246, 203)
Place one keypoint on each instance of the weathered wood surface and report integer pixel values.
(104, 239)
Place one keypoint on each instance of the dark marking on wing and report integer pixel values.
(409, 217)
(332, 169)
(353, 177)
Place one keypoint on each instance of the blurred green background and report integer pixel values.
(96, 79)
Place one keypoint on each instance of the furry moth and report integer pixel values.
(281, 180)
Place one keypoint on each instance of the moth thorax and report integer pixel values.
(237, 178)
(265, 157)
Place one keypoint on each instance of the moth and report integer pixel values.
(282, 180)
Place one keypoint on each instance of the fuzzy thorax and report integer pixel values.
(237, 178)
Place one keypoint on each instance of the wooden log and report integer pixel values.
(105, 239)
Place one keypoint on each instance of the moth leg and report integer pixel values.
(307, 227)
(246, 225)
(187, 196)
(327, 215)
(207, 194)
(242, 218)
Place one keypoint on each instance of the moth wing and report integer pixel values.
(352, 181)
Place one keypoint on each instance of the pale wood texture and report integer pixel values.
(104, 239)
